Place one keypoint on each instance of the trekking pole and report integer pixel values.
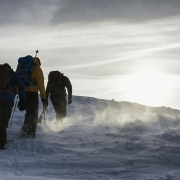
(15, 105)
(40, 117)
(36, 52)
(44, 118)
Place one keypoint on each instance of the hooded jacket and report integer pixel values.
(38, 77)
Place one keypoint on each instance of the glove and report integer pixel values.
(22, 104)
(69, 101)
(45, 103)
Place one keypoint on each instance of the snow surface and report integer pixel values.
(102, 140)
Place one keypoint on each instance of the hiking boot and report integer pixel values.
(31, 136)
(31, 132)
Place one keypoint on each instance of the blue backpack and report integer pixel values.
(24, 69)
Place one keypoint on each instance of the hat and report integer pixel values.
(38, 60)
(7, 65)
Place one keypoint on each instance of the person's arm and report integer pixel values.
(69, 89)
(40, 83)
(47, 92)
(19, 84)
(21, 91)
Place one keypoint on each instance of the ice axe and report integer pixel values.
(41, 116)
(36, 52)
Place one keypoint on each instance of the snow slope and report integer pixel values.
(102, 140)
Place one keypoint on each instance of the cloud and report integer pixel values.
(58, 12)
(87, 11)
(26, 12)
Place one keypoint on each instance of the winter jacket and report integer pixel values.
(65, 83)
(14, 86)
(38, 77)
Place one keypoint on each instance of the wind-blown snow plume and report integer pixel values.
(97, 144)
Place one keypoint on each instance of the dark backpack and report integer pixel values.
(24, 69)
(4, 77)
(54, 82)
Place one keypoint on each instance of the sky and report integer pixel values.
(126, 50)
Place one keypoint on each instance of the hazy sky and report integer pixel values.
(126, 50)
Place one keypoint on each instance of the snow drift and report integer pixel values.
(102, 139)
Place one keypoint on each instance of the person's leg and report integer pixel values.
(5, 114)
(31, 116)
(59, 104)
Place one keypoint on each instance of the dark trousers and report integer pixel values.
(5, 114)
(31, 116)
(59, 103)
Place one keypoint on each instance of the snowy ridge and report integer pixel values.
(102, 140)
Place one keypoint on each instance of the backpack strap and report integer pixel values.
(11, 90)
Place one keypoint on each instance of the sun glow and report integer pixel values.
(148, 87)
